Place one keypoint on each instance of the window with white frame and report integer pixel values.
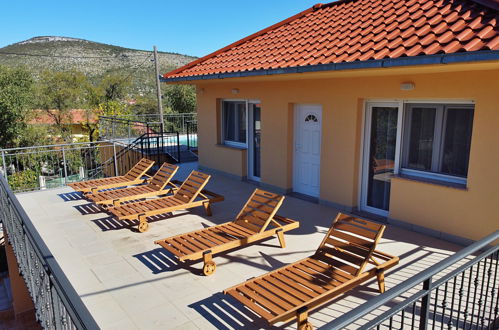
(234, 123)
(436, 141)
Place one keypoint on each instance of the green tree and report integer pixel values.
(16, 95)
(181, 98)
(106, 99)
(60, 92)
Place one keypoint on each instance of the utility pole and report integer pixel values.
(158, 89)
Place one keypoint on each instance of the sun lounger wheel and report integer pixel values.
(143, 225)
(209, 268)
(209, 265)
(307, 326)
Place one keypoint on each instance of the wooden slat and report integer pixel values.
(311, 279)
(206, 243)
(271, 306)
(179, 247)
(213, 238)
(288, 288)
(194, 242)
(218, 234)
(318, 276)
(170, 248)
(292, 275)
(337, 274)
(243, 229)
(363, 223)
(305, 291)
(350, 238)
(275, 299)
(337, 263)
(270, 286)
(262, 207)
(237, 231)
(350, 258)
(354, 229)
(257, 309)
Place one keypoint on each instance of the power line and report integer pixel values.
(69, 56)
(136, 68)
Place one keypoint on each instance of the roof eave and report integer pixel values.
(484, 55)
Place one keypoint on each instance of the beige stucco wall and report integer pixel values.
(470, 213)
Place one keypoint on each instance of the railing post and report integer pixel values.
(188, 136)
(115, 160)
(178, 147)
(65, 167)
(425, 305)
(4, 166)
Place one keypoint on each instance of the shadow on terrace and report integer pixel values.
(127, 281)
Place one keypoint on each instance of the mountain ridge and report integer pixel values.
(94, 59)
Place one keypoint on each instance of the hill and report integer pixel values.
(92, 58)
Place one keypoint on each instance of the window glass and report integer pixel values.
(234, 121)
(437, 140)
(457, 141)
(422, 127)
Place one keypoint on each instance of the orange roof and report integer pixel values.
(331, 36)
(78, 116)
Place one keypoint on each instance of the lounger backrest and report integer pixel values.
(192, 186)
(163, 176)
(349, 243)
(259, 210)
(139, 169)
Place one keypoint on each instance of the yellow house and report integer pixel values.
(388, 108)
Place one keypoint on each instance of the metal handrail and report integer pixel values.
(380, 300)
(62, 145)
(72, 302)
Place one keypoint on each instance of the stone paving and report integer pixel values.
(128, 282)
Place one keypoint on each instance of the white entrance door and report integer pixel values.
(307, 149)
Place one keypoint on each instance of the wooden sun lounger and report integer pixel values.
(337, 266)
(256, 221)
(134, 176)
(189, 195)
(154, 187)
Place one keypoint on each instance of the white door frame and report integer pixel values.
(251, 140)
(295, 130)
(365, 148)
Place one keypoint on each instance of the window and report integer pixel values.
(436, 140)
(234, 122)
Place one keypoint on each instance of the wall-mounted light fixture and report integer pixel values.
(407, 86)
(235, 91)
(201, 91)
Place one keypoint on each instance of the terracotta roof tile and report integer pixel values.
(358, 30)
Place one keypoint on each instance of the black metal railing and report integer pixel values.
(451, 296)
(192, 134)
(56, 302)
(157, 145)
(122, 128)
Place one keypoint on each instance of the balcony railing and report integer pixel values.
(51, 166)
(449, 296)
(134, 126)
(57, 304)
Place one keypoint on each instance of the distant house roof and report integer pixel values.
(359, 33)
(78, 116)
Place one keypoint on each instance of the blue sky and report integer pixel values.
(188, 27)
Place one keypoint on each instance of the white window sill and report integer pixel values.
(232, 146)
(461, 186)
